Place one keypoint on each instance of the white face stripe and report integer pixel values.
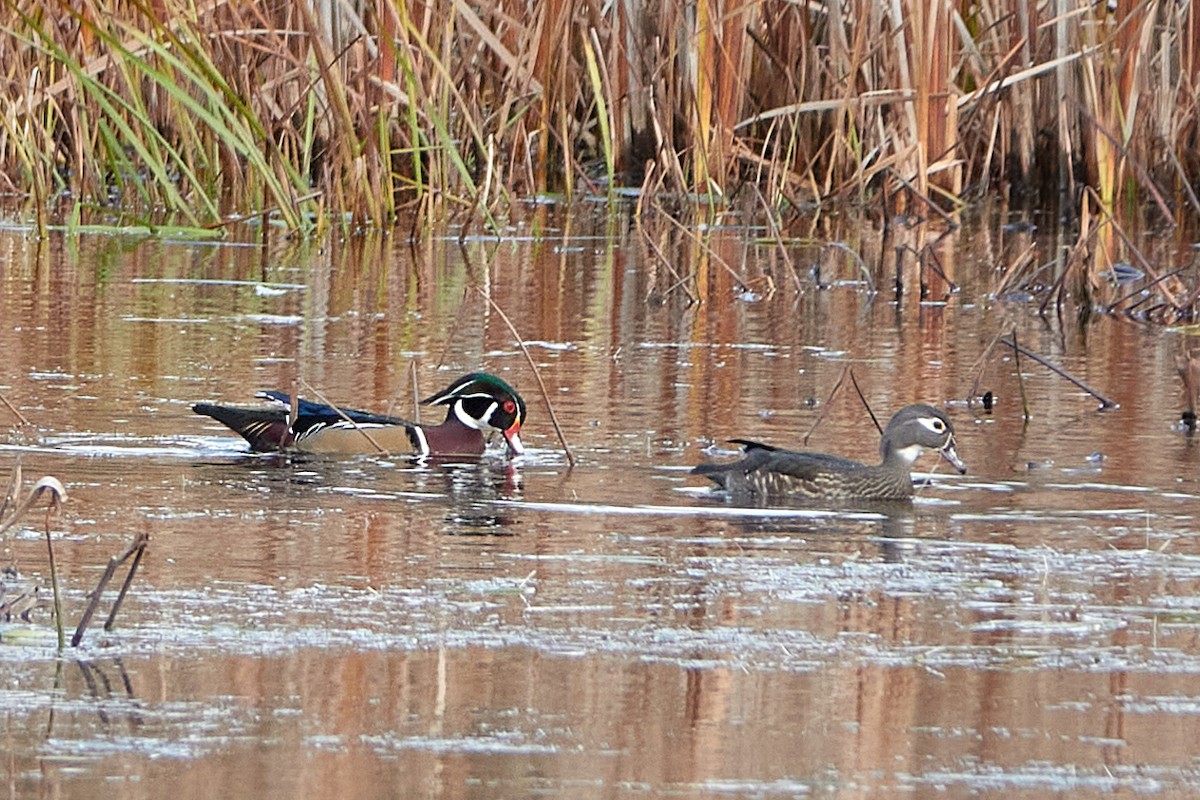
(471, 422)
(447, 399)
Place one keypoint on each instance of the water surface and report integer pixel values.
(379, 628)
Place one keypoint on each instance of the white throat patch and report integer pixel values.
(909, 454)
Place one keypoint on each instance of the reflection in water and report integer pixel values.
(379, 627)
(99, 677)
(472, 489)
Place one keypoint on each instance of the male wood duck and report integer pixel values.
(478, 405)
(768, 472)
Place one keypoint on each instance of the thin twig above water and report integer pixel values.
(536, 373)
(16, 411)
(1062, 373)
(847, 372)
(136, 551)
(310, 388)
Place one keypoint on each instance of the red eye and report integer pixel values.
(509, 407)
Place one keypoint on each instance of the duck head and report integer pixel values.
(485, 403)
(915, 429)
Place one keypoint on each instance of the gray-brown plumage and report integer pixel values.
(767, 473)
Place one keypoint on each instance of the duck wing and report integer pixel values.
(768, 470)
(267, 429)
(320, 411)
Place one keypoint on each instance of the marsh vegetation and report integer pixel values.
(191, 112)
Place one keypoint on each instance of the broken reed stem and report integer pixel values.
(129, 579)
(866, 405)
(1146, 266)
(137, 549)
(310, 388)
(847, 371)
(48, 483)
(58, 495)
(980, 366)
(16, 411)
(933, 262)
(837, 385)
(13, 489)
(1019, 263)
(416, 395)
(536, 372)
(93, 601)
(111, 621)
(58, 615)
(1142, 290)
(1020, 375)
(416, 391)
(1012, 342)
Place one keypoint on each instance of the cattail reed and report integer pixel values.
(352, 114)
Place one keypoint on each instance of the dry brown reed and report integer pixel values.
(20, 602)
(352, 113)
(136, 550)
(56, 494)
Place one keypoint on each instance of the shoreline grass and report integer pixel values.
(190, 115)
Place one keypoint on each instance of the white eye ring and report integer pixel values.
(934, 424)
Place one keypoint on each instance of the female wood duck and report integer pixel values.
(478, 405)
(768, 472)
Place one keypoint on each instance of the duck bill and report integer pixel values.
(949, 453)
(513, 437)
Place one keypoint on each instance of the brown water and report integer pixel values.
(376, 628)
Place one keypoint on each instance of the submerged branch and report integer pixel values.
(1057, 370)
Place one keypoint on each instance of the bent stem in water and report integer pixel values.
(536, 374)
(136, 550)
(58, 495)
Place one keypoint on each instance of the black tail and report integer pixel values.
(731, 475)
(265, 429)
(750, 444)
(717, 473)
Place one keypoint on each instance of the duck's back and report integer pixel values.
(769, 472)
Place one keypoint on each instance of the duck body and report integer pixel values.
(771, 473)
(478, 405)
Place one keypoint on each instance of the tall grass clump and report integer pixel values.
(354, 113)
